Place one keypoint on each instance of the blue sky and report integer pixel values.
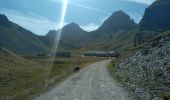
(40, 16)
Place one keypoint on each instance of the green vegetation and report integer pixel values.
(165, 95)
(18, 76)
(113, 68)
(23, 76)
(154, 40)
(168, 69)
(157, 73)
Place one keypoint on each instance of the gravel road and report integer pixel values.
(92, 83)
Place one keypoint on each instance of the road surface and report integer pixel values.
(91, 83)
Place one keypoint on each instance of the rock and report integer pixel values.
(147, 69)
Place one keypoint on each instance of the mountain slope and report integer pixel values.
(17, 75)
(18, 39)
(156, 17)
(71, 36)
(145, 69)
(71, 31)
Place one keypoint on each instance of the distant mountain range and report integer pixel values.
(113, 30)
(117, 32)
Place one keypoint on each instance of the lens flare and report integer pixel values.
(57, 40)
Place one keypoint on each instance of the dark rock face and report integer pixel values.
(118, 21)
(157, 17)
(4, 21)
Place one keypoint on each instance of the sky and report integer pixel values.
(40, 16)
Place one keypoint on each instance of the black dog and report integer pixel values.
(76, 69)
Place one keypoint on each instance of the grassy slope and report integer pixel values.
(17, 74)
(119, 40)
(20, 40)
(21, 77)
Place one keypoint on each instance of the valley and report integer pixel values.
(138, 70)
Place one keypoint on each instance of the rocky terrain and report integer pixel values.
(146, 69)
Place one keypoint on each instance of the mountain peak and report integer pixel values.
(156, 17)
(71, 30)
(119, 13)
(52, 31)
(2, 16)
(4, 20)
(72, 25)
(118, 21)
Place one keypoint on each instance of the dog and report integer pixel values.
(76, 69)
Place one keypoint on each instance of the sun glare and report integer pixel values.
(57, 39)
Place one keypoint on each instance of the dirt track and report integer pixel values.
(91, 83)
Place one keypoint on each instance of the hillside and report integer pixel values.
(15, 71)
(71, 37)
(145, 70)
(70, 31)
(22, 77)
(156, 19)
(18, 39)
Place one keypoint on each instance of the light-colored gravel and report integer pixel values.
(91, 83)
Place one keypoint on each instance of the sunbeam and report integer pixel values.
(57, 40)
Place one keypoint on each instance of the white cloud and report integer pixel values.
(87, 7)
(35, 23)
(147, 2)
(90, 27)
